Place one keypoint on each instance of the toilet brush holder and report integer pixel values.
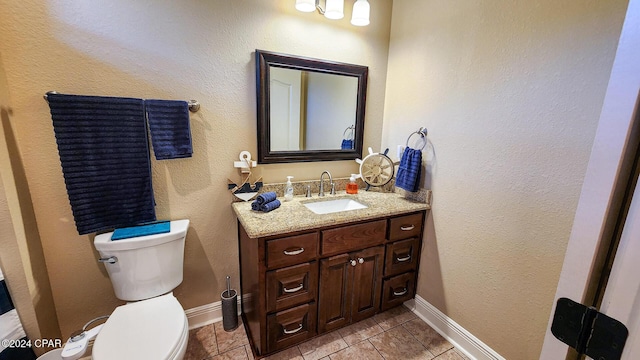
(229, 307)
(229, 310)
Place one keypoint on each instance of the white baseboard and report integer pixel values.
(207, 314)
(462, 339)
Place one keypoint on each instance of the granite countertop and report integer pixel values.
(294, 216)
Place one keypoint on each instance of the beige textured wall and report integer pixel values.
(21, 254)
(511, 95)
(177, 50)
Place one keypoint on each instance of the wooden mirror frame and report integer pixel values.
(264, 59)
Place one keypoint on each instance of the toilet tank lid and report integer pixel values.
(178, 229)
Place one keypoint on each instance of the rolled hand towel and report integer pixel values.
(266, 197)
(271, 205)
(255, 206)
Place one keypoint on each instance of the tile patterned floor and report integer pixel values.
(394, 334)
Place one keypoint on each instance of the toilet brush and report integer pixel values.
(229, 307)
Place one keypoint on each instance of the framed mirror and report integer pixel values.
(309, 109)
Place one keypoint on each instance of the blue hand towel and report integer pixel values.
(102, 142)
(346, 144)
(265, 207)
(409, 171)
(170, 129)
(159, 227)
(271, 205)
(266, 197)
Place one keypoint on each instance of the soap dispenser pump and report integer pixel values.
(288, 190)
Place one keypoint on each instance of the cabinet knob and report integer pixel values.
(353, 262)
(360, 261)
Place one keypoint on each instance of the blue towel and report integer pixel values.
(266, 197)
(159, 227)
(409, 171)
(266, 207)
(271, 205)
(102, 142)
(170, 129)
(346, 144)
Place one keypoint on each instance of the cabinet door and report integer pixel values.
(367, 279)
(334, 305)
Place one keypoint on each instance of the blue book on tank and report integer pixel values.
(141, 230)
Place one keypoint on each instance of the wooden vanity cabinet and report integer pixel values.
(301, 284)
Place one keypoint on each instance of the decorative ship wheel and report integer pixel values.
(376, 169)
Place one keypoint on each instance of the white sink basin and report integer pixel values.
(333, 206)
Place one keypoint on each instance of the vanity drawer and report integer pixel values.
(292, 250)
(401, 256)
(353, 237)
(291, 326)
(398, 289)
(405, 227)
(291, 286)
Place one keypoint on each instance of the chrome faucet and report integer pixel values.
(333, 188)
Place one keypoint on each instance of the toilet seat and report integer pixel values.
(155, 328)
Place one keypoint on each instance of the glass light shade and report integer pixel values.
(306, 5)
(334, 9)
(360, 16)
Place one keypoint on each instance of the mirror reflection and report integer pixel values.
(309, 109)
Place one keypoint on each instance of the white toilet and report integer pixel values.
(144, 270)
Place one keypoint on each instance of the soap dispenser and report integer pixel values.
(288, 190)
(352, 186)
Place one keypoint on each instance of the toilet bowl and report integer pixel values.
(144, 270)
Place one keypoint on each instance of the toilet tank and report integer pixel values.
(146, 266)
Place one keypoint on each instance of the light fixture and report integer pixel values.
(334, 9)
(360, 16)
(306, 5)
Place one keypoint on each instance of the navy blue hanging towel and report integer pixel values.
(170, 128)
(346, 145)
(409, 171)
(104, 153)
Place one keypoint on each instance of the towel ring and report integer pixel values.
(352, 127)
(423, 134)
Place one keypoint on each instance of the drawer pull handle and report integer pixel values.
(406, 258)
(294, 252)
(396, 293)
(407, 227)
(295, 289)
(288, 332)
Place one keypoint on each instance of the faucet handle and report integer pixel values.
(308, 191)
(333, 188)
